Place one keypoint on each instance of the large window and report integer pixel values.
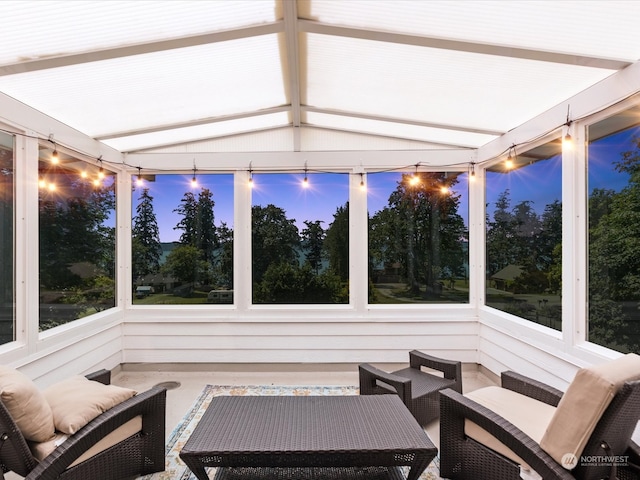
(418, 237)
(524, 235)
(7, 282)
(614, 231)
(300, 238)
(182, 239)
(77, 238)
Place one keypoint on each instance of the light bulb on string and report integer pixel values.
(52, 187)
(100, 172)
(472, 174)
(250, 179)
(305, 182)
(194, 181)
(54, 156)
(509, 161)
(415, 179)
(363, 187)
(84, 174)
(139, 181)
(42, 183)
(567, 141)
(444, 189)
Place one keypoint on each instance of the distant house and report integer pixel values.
(504, 277)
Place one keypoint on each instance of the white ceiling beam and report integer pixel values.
(461, 46)
(290, 13)
(193, 123)
(140, 48)
(428, 159)
(404, 121)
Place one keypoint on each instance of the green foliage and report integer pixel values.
(274, 239)
(72, 233)
(421, 231)
(614, 259)
(284, 283)
(186, 265)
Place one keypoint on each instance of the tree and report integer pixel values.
(72, 231)
(312, 243)
(145, 235)
(188, 209)
(206, 237)
(223, 267)
(501, 233)
(614, 263)
(274, 239)
(337, 243)
(422, 231)
(186, 265)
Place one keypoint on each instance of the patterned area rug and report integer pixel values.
(177, 470)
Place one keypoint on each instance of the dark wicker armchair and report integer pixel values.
(418, 389)
(462, 457)
(139, 454)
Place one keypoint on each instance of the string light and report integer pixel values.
(139, 181)
(54, 155)
(363, 187)
(509, 162)
(472, 174)
(194, 182)
(567, 141)
(415, 179)
(42, 183)
(305, 182)
(100, 172)
(444, 189)
(250, 178)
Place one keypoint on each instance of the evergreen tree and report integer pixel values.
(146, 248)
(206, 237)
(188, 210)
(337, 243)
(312, 242)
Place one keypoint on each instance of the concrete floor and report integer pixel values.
(192, 379)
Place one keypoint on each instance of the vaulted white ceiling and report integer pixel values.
(307, 75)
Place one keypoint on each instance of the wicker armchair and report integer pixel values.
(418, 389)
(463, 457)
(139, 454)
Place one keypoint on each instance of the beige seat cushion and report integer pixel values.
(528, 414)
(26, 404)
(76, 401)
(582, 405)
(42, 450)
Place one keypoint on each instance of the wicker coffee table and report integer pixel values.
(308, 437)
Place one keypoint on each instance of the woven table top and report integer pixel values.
(350, 424)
